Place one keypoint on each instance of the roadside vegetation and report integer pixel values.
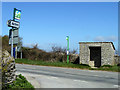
(56, 57)
(57, 53)
(114, 68)
(19, 83)
(49, 63)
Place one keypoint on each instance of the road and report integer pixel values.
(57, 77)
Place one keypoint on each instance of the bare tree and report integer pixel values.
(58, 49)
(35, 46)
(74, 51)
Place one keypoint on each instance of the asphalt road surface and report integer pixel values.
(57, 77)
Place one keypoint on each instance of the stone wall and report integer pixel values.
(116, 59)
(74, 58)
(84, 54)
(107, 52)
(8, 68)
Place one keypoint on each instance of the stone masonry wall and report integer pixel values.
(116, 59)
(84, 55)
(8, 68)
(107, 57)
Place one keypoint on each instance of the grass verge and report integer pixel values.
(48, 63)
(114, 68)
(20, 82)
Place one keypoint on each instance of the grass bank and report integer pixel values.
(19, 83)
(114, 68)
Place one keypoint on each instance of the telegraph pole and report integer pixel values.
(67, 38)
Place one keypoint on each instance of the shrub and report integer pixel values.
(20, 82)
(106, 66)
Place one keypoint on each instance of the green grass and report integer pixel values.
(19, 83)
(64, 64)
(114, 68)
(48, 63)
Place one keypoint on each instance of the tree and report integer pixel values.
(74, 51)
(58, 49)
(5, 43)
(19, 45)
(35, 46)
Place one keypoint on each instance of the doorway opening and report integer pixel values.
(95, 55)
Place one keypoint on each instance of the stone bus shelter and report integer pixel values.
(97, 54)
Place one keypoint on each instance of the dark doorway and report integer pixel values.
(95, 55)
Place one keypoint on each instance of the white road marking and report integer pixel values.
(84, 81)
(55, 77)
(91, 71)
(115, 85)
(51, 77)
(79, 81)
(76, 80)
(96, 75)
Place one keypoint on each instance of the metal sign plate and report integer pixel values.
(15, 40)
(17, 14)
(18, 48)
(13, 24)
(15, 33)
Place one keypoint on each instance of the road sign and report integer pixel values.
(15, 33)
(15, 36)
(13, 24)
(17, 14)
(15, 40)
(19, 48)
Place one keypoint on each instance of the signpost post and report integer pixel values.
(67, 38)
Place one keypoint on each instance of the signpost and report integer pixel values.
(67, 38)
(15, 25)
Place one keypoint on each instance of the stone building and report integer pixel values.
(97, 54)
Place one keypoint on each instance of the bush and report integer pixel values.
(57, 54)
(85, 65)
(38, 54)
(106, 66)
(5, 43)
